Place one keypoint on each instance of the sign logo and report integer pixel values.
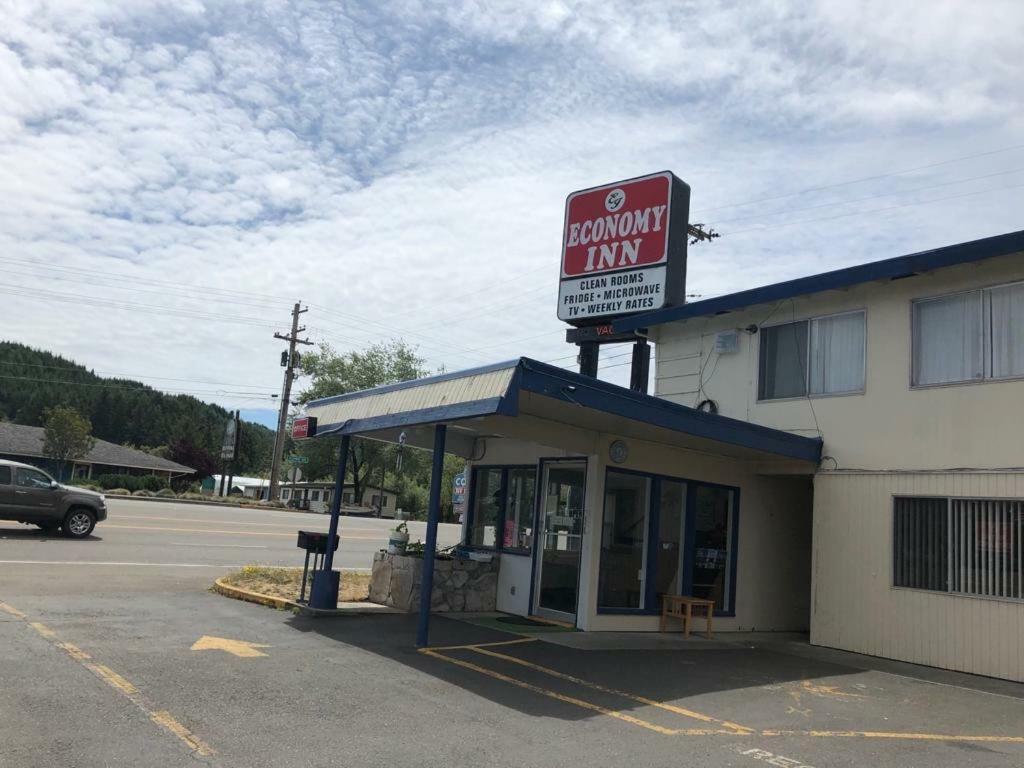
(459, 492)
(624, 248)
(303, 427)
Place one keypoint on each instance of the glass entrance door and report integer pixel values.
(561, 524)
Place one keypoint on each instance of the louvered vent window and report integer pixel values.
(965, 546)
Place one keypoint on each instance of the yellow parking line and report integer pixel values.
(727, 728)
(379, 537)
(11, 610)
(552, 694)
(736, 728)
(481, 645)
(116, 681)
(111, 678)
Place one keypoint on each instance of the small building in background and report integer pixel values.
(315, 496)
(19, 442)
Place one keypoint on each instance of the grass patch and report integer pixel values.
(285, 582)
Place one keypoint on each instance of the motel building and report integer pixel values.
(840, 454)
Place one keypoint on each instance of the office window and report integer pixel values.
(668, 556)
(378, 501)
(314, 495)
(487, 502)
(346, 497)
(520, 494)
(285, 494)
(503, 503)
(921, 543)
(711, 571)
(622, 573)
(962, 546)
(821, 356)
(970, 336)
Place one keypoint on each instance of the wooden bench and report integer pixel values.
(681, 607)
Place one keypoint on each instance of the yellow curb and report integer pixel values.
(253, 597)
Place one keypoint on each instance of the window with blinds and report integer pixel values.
(966, 546)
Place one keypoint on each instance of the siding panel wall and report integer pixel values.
(856, 608)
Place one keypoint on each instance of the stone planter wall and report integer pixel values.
(459, 585)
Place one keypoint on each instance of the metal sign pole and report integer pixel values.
(588, 357)
(433, 515)
(641, 368)
(324, 593)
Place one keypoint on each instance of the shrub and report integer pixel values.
(89, 485)
(142, 492)
(166, 493)
(131, 482)
(117, 492)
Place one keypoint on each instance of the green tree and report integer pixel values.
(67, 435)
(332, 373)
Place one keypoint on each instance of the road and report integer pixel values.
(114, 652)
(204, 538)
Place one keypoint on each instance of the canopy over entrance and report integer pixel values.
(518, 398)
(525, 400)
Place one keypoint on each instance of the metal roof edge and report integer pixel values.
(399, 385)
(893, 268)
(661, 412)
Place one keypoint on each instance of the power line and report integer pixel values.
(141, 387)
(88, 372)
(719, 222)
(863, 179)
(875, 210)
(32, 292)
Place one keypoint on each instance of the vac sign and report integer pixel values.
(624, 248)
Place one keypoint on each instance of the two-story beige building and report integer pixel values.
(912, 372)
(840, 453)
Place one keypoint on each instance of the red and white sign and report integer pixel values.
(618, 243)
(303, 427)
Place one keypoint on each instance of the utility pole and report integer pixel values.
(286, 394)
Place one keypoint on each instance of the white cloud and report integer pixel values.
(402, 166)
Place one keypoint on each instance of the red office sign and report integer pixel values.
(624, 248)
(303, 427)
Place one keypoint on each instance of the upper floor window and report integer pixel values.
(819, 356)
(969, 336)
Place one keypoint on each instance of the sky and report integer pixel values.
(175, 175)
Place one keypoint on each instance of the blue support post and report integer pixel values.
(324, 593)
(433, 515)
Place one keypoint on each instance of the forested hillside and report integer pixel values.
(123, 411)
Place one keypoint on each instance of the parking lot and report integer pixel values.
(114, 652)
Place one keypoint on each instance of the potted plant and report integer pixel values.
(398, 538)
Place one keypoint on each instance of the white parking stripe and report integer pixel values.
(93, 562)
(218, 546)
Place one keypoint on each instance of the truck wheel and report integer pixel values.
(79, 523)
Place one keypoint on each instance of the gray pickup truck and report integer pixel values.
(29, 495)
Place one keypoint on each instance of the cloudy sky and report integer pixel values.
(175, 174)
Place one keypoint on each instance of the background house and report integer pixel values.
(25, 444)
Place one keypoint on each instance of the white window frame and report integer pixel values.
(807, 362)
(986, 337)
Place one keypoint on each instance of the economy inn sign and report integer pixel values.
(624, 248)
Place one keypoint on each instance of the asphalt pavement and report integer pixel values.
(114, 652)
